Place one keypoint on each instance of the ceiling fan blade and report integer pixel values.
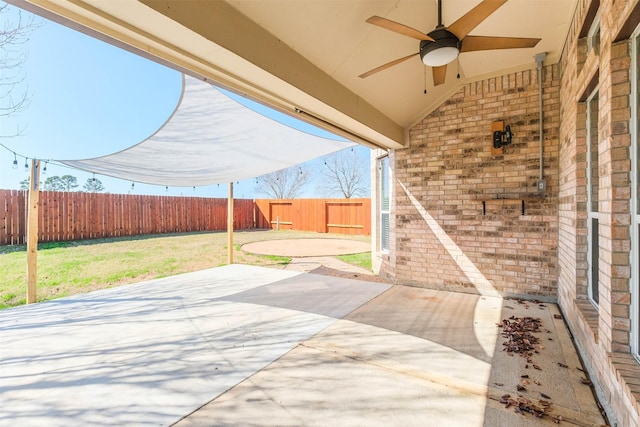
(398, 28)
(387, 65)
(475, 43)
(439, 75)
(474, 17)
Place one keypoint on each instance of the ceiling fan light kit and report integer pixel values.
(444, 49)
(443, 45)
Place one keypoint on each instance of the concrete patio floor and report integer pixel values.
(251, 346)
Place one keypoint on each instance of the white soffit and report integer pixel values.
(211, 139)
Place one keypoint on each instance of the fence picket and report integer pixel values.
(77, 215)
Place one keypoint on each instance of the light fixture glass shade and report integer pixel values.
(440, 56)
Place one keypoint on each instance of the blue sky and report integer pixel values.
(88, 98)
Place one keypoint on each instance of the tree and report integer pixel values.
(345, 174)
(64, 183)
(53, 183)
(283, 184)
(93, 185)
(15, 31)
(69, 182)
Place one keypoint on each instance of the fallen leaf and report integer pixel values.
(585, 381)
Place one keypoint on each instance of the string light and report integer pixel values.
(26, 164)
(166, 189)
(93, 178)
(44, 171)
(133, 184)
(15, 161)
(194, 188)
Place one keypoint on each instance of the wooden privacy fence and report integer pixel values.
(344, 216)
(67, 216)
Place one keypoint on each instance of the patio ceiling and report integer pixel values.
(304, 57)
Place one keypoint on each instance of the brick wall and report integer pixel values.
(445, 237)
(602, 332)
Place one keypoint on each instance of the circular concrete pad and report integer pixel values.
(307, 247)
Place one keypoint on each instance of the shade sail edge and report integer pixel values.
(211, 139)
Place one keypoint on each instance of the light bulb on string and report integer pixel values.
(44, 170)
(26, 164)
(15, 161)
(133, 184)
(166, 189)
(194, 188)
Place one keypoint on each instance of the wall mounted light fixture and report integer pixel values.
(502, 138)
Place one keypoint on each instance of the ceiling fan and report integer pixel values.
(444, 44)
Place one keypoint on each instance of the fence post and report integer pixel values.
(230, 225)
(32, 233)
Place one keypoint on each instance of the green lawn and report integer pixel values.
(68, 268)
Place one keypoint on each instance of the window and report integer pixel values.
(593, 185)
(385, 202)
(593, 37)
(635, 194)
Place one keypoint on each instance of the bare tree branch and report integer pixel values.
(344, 174)
(14, 33)
(283, 184)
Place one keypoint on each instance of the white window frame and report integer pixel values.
(384, 177)
(591, 214)
(635, 216)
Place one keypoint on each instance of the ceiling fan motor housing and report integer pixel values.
(444, 49)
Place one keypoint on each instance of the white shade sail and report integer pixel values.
(209, 139)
